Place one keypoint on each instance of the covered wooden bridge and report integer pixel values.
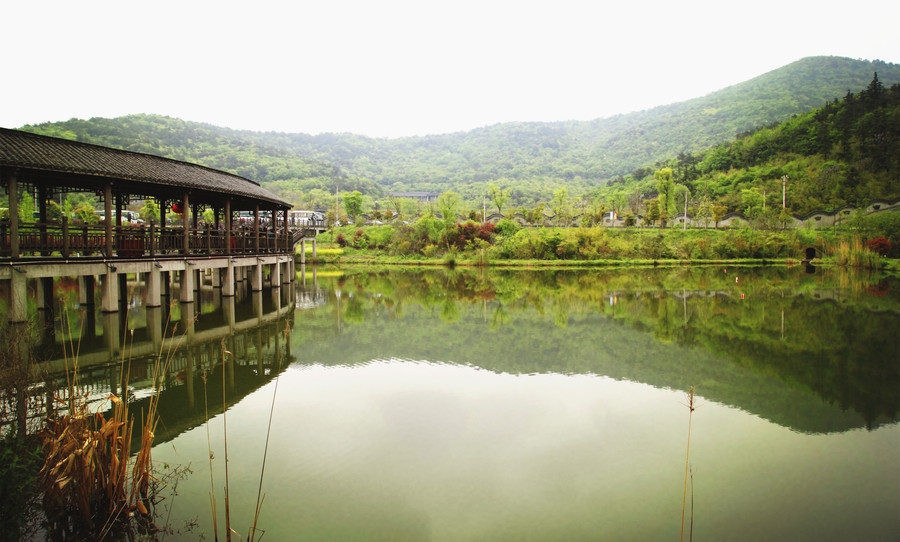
(249, 231)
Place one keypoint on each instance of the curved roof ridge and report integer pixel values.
(45, 153)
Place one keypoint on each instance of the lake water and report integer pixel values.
(461, 405)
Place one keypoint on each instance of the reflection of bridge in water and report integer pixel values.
(174, 350)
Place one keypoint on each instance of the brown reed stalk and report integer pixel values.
(86, 470)
(687, 464)
(692, 506)
(225, 433)
(212, 486)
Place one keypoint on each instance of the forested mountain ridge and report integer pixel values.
(846, 152)
(538, 157)
(530, 159)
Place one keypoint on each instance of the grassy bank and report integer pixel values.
(471, 244)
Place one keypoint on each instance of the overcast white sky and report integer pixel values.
(388, 68)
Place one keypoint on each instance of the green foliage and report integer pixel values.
(26, 208)
(86, 215)
(447, 204)
(472, 242)
(353, 204)
(150, 211)
(530, 160)
(665, 185)
(507, 227)
(498, 196)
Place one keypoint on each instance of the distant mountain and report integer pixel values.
(534, 158)
(844, 153)
(531, 159)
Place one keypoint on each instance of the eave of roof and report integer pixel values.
(35, 152)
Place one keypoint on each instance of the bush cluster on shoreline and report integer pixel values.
(432, 238)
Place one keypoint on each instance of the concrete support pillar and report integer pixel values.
(275, 275)
(314, 246)
(276, 299)
(110, 291)
(257, 301)
(155, 326)
(18, 298)
(256, 276)
(228, 281)
(86, 290)
(187, 284)
(112, 334)
(154, 287)
(188, 311)
(303, 251)
(228, 312)
(217, 277)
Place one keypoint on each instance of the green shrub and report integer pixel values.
(507, 227)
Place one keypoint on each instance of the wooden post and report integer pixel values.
(65, 237)
(287, 233)
(120, 239)
(13, 190)
(152, 239)
(42, 219)
(162, 224)
(228, 226)
(256, 228)
(186, 214)
(107, 216)
(274, 214)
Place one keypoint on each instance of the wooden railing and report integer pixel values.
(57, 239)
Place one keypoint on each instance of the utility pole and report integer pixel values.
(684, 222)
(483, 208)
(784, 179)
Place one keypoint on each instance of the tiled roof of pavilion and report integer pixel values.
(34, 152)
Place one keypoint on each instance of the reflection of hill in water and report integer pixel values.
(831, 369)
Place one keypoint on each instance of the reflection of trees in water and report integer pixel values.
(823, 333)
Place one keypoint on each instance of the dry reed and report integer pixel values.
(687, 459)
(91, 486)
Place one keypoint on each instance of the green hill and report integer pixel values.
(843, 153)
(532, 159)
(535, 158)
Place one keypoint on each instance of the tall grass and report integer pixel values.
(260, 496)
(854, 253)
(93, 484)
(687, 471)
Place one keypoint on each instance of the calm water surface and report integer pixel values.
(550, 405)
